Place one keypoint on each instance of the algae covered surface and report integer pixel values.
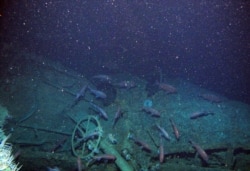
(43, 120)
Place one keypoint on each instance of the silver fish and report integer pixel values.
(164, 132)
(81, 93)
(98, 109)
(118, 115)
(98, 93)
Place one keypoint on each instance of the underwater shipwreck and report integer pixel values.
(59, 120)
(147, 85)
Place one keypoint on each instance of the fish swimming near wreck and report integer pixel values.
(89, 136)
(97, 93)
(199, 114)
(81, 93)
(169, 89)
(118, 115)
(151, 111)
(53, 169)
(98, 109)
(163, 132)
(200, 151)
(211, 98)
(80, 166)
(161, 151)
(140, 143)
(176, 131)
(102, 158)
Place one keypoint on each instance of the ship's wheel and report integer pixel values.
(86, 137)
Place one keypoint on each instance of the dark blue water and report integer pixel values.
(206, 42)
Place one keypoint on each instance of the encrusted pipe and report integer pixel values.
(120, 161)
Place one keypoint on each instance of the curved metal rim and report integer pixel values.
(83, 129)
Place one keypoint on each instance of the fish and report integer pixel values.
(163, 132)
(196, 115)
(103, 78)
(176, 131)
(126, 84)
(98, 93)
(211, 97)
(53, 169)
(118, 115)
(89, 136)
(104, 157)
(140, 143)
(80, 166)
(98, 109)
(161, 151)
(167, 88)
(200, 151)
(153, 112)
(81, 93)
